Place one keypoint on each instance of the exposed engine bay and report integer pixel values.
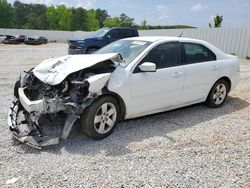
(35, 98)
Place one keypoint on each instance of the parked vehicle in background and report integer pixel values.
(126, 79)
(10, 39)
(20, 38)
(100, 39)
(42, 39)
(2, 37)
(36, 40)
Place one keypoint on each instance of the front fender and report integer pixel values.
(97, 82)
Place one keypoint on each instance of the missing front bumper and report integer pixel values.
(42, 106)
(25, 115)
(28, 132)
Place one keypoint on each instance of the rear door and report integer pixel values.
(201, 71)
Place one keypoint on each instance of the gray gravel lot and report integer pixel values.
(190, 147)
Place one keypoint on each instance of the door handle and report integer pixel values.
(214, 67)
(177, 74)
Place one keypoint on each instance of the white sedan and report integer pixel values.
(128, 78)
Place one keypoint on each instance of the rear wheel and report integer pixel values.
(100, 119)
(218, 94)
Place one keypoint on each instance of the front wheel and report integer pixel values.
(100, 119)
(218, 94)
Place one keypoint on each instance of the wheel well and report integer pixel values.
(227, 80)
(120, 101)
(222, 78)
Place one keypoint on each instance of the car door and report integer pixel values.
(155, 90)
(201, 72)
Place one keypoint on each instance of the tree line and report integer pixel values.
(39, 16)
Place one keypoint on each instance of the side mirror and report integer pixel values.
(148, 67)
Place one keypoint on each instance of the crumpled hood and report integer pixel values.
(54, 70)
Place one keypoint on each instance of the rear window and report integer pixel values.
(129, 33)
(197, 53)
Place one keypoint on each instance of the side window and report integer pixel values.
(164, 55)
(115, 34)
(197, 53)
(128, 33)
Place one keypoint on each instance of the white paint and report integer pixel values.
(148, 67)
(53, 71)
(97, 82)
(146, 93)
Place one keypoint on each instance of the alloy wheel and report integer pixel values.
(105, 118)
(219, 94)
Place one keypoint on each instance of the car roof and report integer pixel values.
(163, 38)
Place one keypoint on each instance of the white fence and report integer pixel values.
(230, 40)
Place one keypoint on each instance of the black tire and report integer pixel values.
(211, 101)
(17, 85)
(91, 50)
(88, 127)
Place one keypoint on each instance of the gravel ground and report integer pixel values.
(190, 147)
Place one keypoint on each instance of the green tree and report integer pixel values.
(126, 21)
(217, 21)
(112, 22)
(144, 25)
(52, 18)
(20, 14)
(59, 18)
(36, 17)
(64, 18)
(101, 16)
(93, 23)
(6, 14)
(79, 19)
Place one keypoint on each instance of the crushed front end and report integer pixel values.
(34, 99)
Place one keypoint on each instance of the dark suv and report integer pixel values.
(99, 39)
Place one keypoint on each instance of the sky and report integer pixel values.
(196, 13)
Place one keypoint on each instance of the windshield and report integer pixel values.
(99, 33)
(129, 49)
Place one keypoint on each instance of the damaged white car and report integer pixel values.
(129, 78)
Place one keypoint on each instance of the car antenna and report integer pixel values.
(181, 34)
